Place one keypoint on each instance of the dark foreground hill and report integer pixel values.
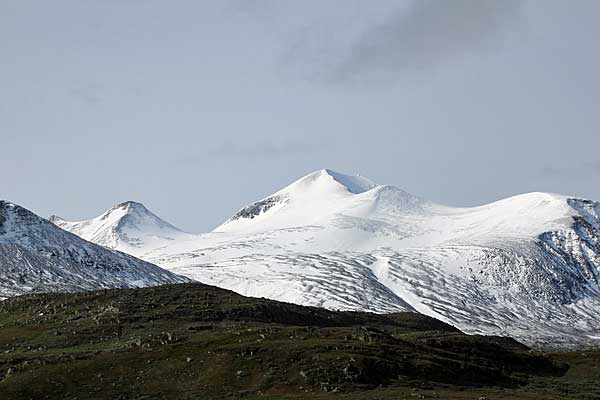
(192, 341)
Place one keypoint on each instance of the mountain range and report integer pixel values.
(526, 266)
(37, 256)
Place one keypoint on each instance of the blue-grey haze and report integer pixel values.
(196, 108)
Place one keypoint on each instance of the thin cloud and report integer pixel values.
(421, 36)
(427, 35)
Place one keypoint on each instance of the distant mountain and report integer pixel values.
(37, 256)
(527, 266)
(126, 226)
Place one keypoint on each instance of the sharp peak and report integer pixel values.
(9, 205)
(331, 172)
(355, 183)
(129, 205)
(126, 208)
(23, 214)
(6, 203)
(133, 209)
(328, 171)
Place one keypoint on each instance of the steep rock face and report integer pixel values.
(37, 256)
(575, 252)
(526, 266)
(254, 210)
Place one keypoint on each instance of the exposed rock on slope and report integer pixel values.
(527, 266)
(37, 256)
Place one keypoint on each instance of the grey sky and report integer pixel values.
(196, 108)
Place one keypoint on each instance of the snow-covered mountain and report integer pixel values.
(37, 256)
(527, 266)
(127, 226)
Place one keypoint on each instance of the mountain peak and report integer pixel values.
(318, 194)
(355, 184)
(130, 208)
(38, 256)
(130, 205)
(127, 224)
(328, 180)
(16, 221)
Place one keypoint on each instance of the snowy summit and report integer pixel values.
(128, 224)
(37, 256)
(526, 266)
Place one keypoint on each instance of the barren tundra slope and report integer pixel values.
(194, 341)
(526, 267)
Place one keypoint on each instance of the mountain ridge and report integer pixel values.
(38, 256)
(124, 223)
(526, 266)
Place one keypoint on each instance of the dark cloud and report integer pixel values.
(425, 36)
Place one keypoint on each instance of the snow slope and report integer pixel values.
(126, 226)
(37, 256)
(527, 266)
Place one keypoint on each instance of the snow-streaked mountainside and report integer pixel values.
(37, 256)
(527, 266)
(125, 225)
